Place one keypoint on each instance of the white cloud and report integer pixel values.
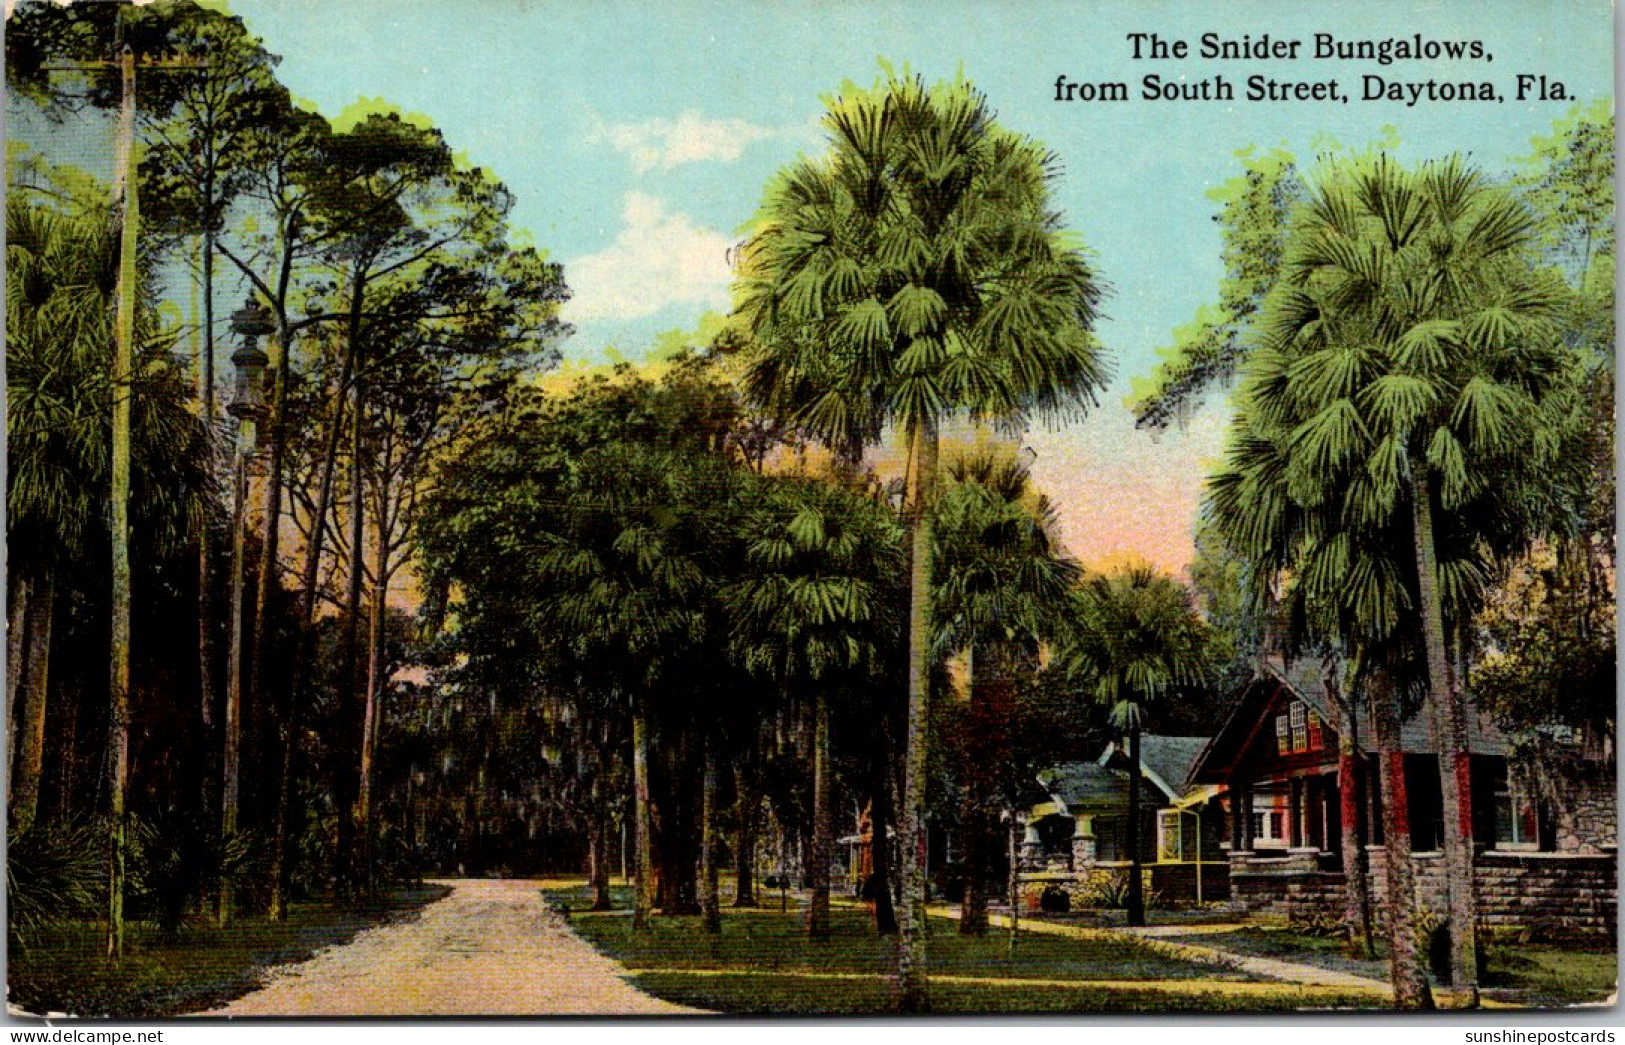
(658, 259)
(661, 144)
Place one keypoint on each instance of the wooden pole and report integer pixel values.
(123, 391)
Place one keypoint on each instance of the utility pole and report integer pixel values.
(123, 394)
(127, 203)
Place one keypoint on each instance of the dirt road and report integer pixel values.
(488, 948)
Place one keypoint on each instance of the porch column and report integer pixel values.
(1247, 818)
(1083, 844)
(1294, 812)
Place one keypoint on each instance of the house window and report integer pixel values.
(1283, 736)
(1169, 844)
(1300, 728)
(1317, 736)
(1516, 823)
(1269, 828)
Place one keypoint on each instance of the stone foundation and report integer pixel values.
(1556, 893)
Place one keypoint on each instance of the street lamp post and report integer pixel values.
(248, 407)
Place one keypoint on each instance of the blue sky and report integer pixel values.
(638, 138)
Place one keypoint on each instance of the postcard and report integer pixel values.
(718, 509)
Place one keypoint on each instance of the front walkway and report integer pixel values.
(1162, 939)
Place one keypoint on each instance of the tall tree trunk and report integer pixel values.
(376, 683)
(818, 922)
(643, 852)
(710, 896)
(231, 727)
(17, 598)
(1450, 741)
(1136, 887)
(913, 989)
(1356, 895)
(972, 820)
(353, 700)
(880, 849)
(748, 801)
(266, 583)
(25, 780)
(307, 612)
(205, 542)
(598, 839)
(1405, 962)
(1013, 885)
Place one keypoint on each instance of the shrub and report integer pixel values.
(54, 871)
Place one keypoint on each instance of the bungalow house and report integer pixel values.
(1545, 855)
(1076, 830)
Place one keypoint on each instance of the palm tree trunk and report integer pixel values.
(710, 898)
(822, 837)
(1405, 968)
(973, 905)
(17, 593)
(880, 851)
(1356, 895)
(745, 853)
(1013, 885)
(25, 783)
(1450, 741)
(912, 985)
(1136, 887)
(598, 843)
(643, 902)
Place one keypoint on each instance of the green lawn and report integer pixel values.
(63, 969)
(762, 963)
(1553, 975)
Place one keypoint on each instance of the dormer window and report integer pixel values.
(1298, 728)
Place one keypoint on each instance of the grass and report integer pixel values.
(64, 970)
(1537, 975)
(763, 964)
(1553, 975)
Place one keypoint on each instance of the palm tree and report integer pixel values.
(914, 271)
(812, 612)
(1423, 350)
(1003, 582)
(1137, 639)
(62, 269)
(1344, 589)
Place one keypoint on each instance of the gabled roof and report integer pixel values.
(1103, 783)
(1303, 679)
(1086, 785)
(1166, 761)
